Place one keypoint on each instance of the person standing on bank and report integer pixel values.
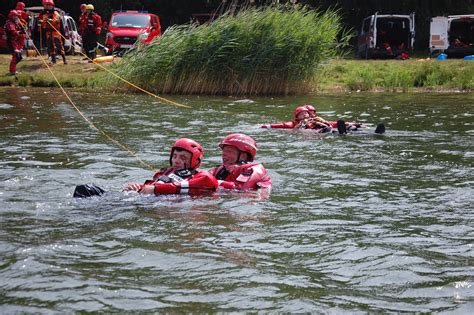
(91, 26)
(14, 32)
(50, 22)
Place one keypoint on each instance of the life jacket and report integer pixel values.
(287, 125)
(92, 23)
(185, 181)
(54, 27)
(242, 176)
(14, 38)
(83, 22)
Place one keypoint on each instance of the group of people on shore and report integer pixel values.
(238, 171)
(49, 26)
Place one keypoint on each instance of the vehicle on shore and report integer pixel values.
(3, 35)
(72, 42)
(127, 27)
(386, 36)
(452, 35)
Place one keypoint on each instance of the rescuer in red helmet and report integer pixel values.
(238, 170)
(90, 27)
(14, 32)
(305, 118)
(51, 24)
(24, 19)
(82, 17)
(182, 177)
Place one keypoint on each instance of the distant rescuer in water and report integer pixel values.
(182, 177)
(238, 170)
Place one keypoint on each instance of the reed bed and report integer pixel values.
(272, 50)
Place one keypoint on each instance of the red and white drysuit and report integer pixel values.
(169, 181)
(246, 176)
(243, 174)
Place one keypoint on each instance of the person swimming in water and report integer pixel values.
(182, 177)
(238, 170)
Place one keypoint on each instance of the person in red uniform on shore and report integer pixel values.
(82, 16)
(90, 27)
(182, 177)
(15, 40)
(24, 19)
(51, 24)
(238, 170)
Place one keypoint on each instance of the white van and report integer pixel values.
(453, 35)
(386, 36)
(73, 42)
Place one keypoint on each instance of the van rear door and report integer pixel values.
(373, 27)
(438, 33)
(412, 30)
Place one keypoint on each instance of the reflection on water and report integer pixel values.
(354, 223)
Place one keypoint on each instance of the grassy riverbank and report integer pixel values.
(33, 72)
(339, 75)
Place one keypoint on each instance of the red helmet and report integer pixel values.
(48, 2)
(83, 6)
(310, 107)
(242, 142)
(299, 110)
(20, 6)
(13, 14)
(191, 146)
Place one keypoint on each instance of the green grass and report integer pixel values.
(273, 50)
(336, 75)
(396, 75)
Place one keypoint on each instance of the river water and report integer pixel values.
(354, 224)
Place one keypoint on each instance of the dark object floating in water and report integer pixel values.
(87, 190)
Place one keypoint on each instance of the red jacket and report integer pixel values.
(310, 124)
(14, 37)
(242, 176)
(90, 23)
(171, 181)
(82, 22)
(287, 125)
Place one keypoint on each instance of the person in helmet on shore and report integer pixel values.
(238, 170)
(90, 26)
(24, 19)
(51, 24)
(81, 19)
(182, 177)
(14, 32)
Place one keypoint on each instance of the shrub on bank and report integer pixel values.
(272, 50)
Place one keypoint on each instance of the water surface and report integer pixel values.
(354, 223)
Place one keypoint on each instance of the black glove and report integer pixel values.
(164, 179)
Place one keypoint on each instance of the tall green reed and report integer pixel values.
(272, 50)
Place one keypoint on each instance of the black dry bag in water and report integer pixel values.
(87, 190)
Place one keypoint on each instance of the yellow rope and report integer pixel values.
(83, 116)
(124, 80)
